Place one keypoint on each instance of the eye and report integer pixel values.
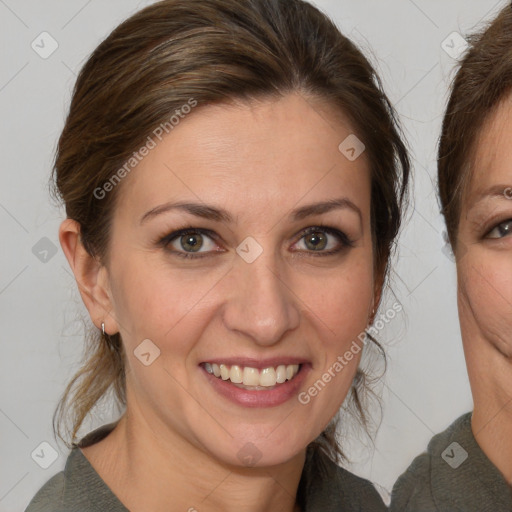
(324, 240)
(190, 242)
(501, 230)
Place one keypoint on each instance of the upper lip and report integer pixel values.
(257, 363)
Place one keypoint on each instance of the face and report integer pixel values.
(241, 248)
(485, 249)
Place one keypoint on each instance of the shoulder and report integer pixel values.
(338, 489)
(78, 488)
(452, 475)
(415, 490)
(50, 497)
(59, 494)
(412, 490)
(362, 492)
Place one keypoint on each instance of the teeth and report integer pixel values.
(224, 372)
(235, 375)
(252, 377)
(268, 377)
(281, 374)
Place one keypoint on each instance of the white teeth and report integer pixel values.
(291, 370)
(268, 377)
(281, 374)
(235, 374)
(252, 377)
(224, 372)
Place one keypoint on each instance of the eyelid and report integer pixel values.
(185, 231)
(165, 241)
(496, 226)
(484, 222)
(343, 240)
(339, 234)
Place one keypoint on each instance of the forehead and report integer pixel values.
(249, 157)
(492, 162)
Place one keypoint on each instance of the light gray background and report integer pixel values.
(426, 385)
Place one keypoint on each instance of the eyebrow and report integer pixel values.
(496, 191)
(197, 209)
(324, 207)
(220, 215)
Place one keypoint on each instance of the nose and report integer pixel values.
(262, 305)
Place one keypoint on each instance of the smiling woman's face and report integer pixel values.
(484, 254)
(276, 270)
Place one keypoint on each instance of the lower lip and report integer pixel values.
(253, 398)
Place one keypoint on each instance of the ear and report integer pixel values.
(91, 277)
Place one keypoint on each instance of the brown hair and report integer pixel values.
(213, 51)
(482, 81)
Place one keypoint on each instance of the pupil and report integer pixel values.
(316, 241)
(192, 242)
(504, 229)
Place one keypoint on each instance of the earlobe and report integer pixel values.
(91, 276)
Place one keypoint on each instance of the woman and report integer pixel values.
(233, 179)
(469, 466)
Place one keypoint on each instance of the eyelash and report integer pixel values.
(166, 240)
(489, 231)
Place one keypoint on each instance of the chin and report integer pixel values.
(258, 451)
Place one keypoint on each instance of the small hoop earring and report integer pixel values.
(103, 328)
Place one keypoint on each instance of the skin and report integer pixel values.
(484, 251)
(178, 442)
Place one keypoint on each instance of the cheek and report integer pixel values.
(339, 308)
(342, 300)
(174, 308)
(156, 301)
(485, 299)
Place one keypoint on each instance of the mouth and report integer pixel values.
(251, 378)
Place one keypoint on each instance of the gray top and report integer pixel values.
(454, 475)
(80, 489)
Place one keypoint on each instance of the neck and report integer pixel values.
(150, 468)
